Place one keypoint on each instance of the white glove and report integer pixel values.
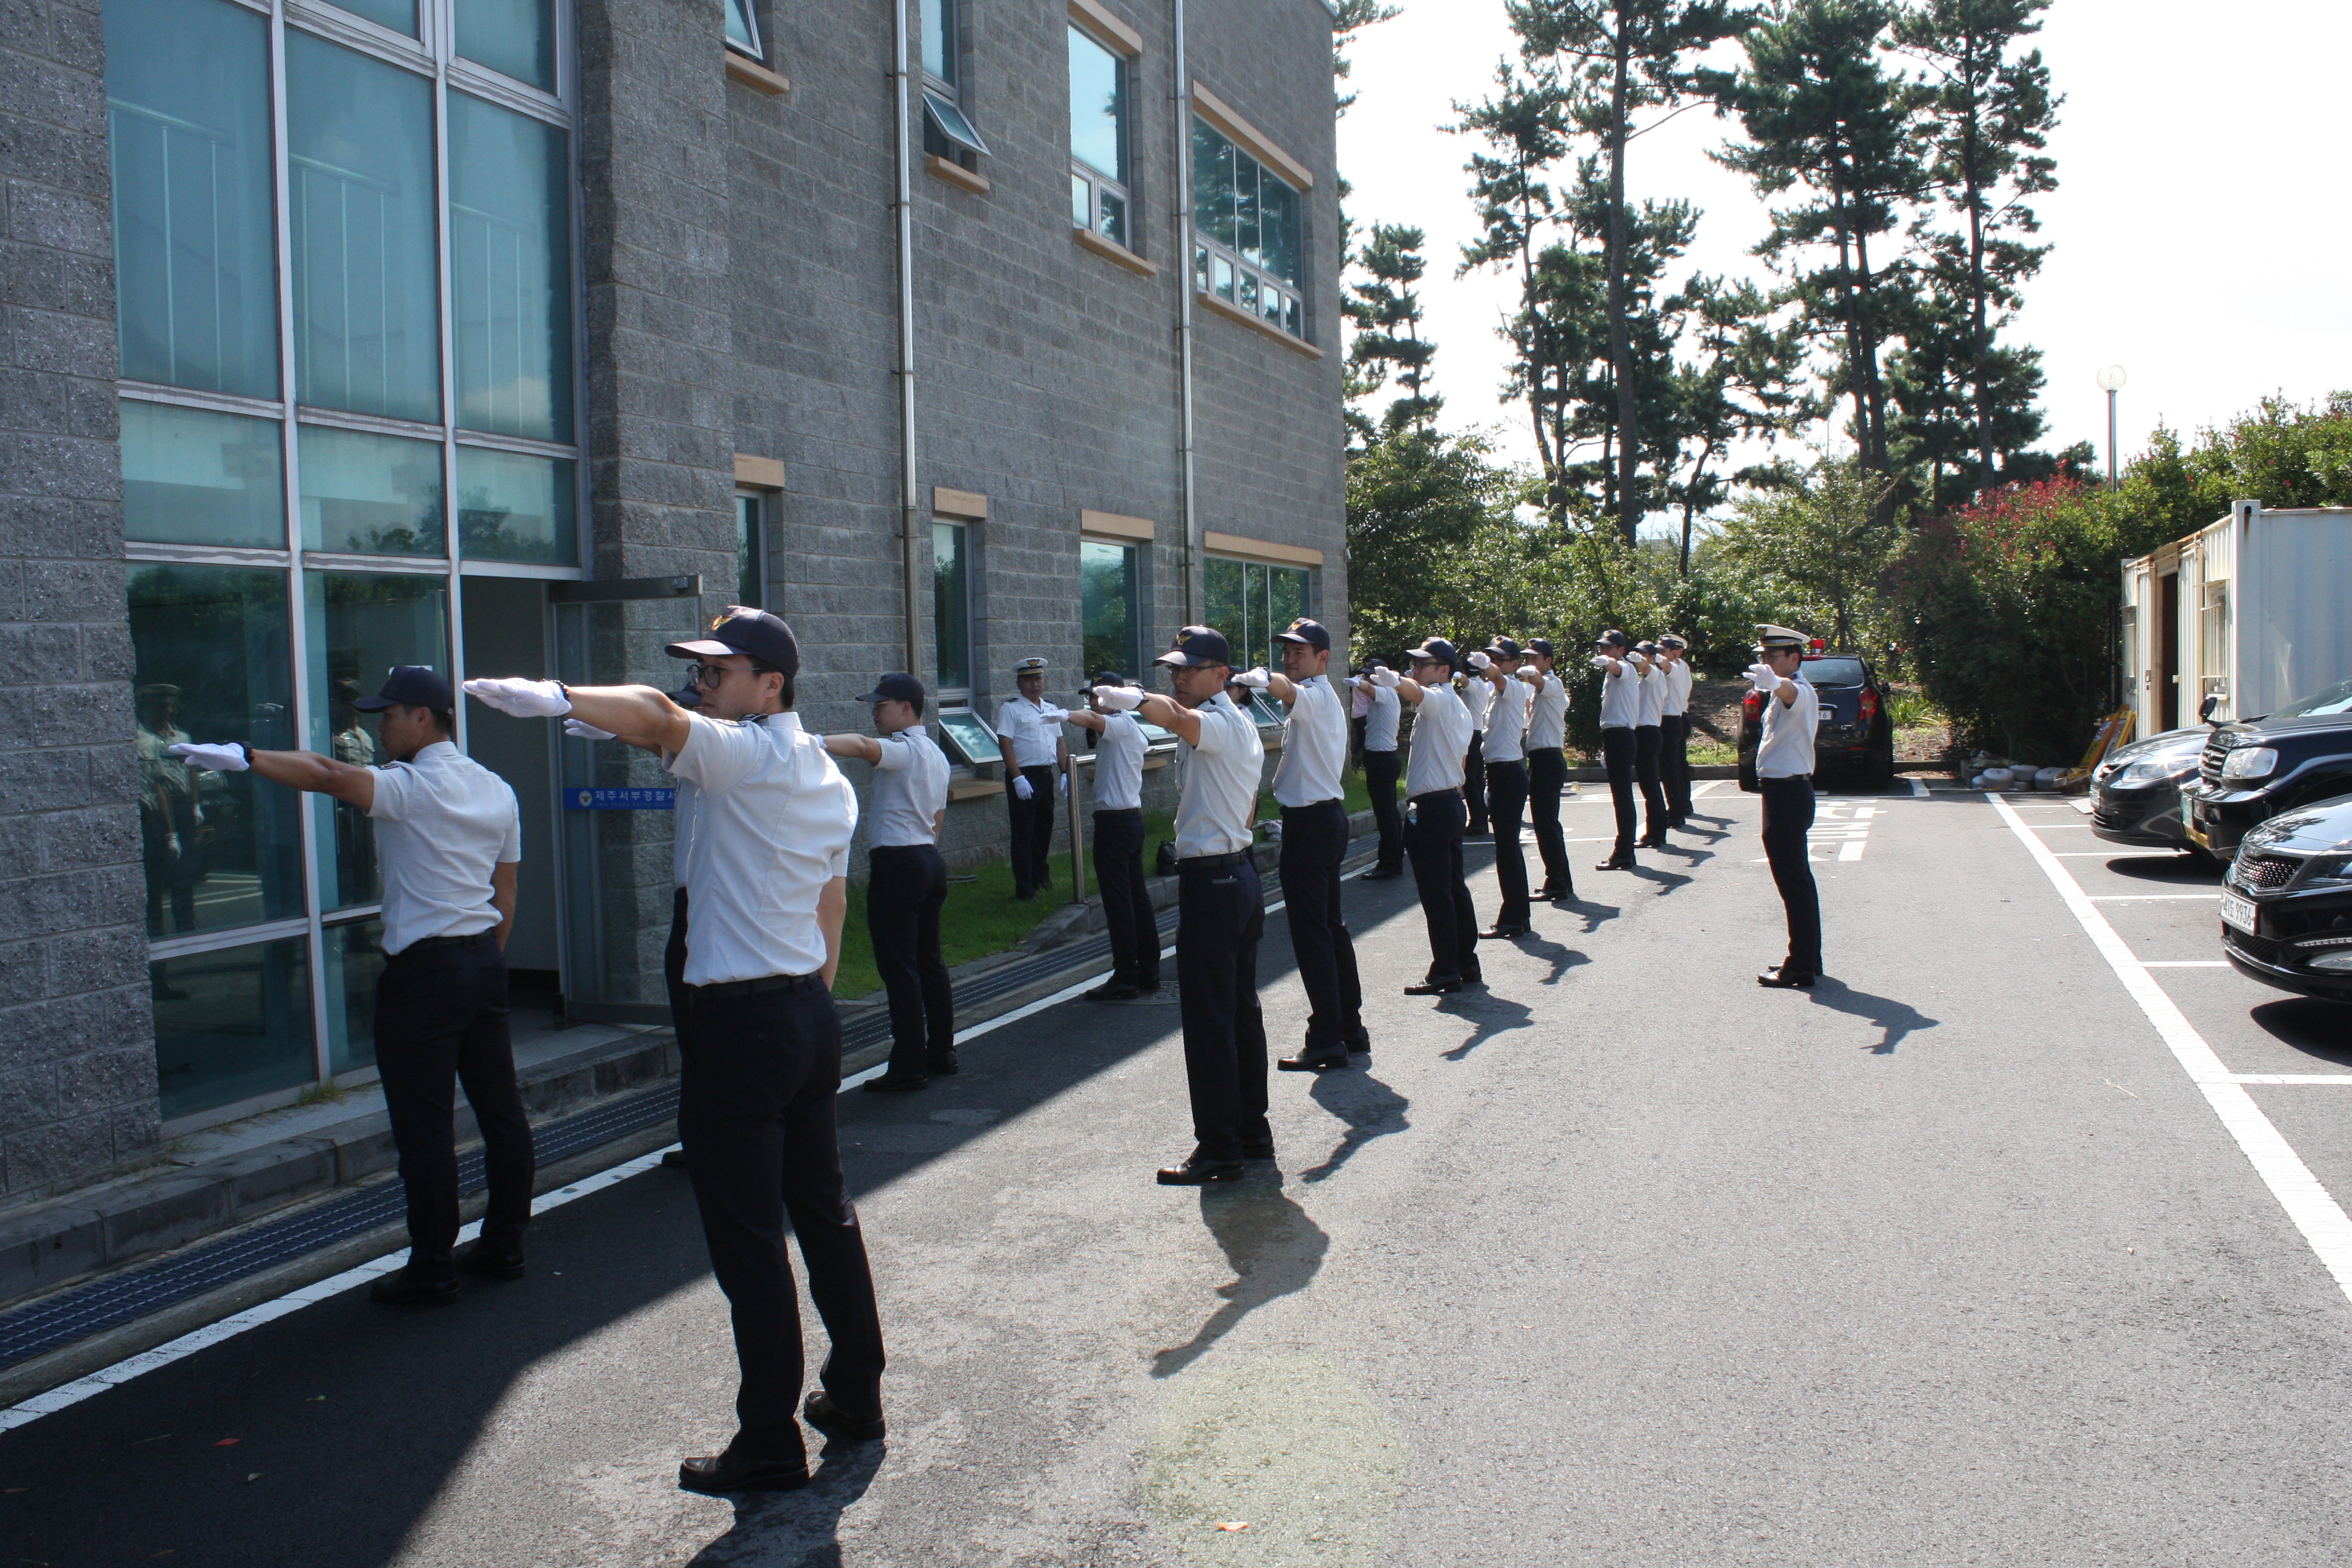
(1061, 782)
(225, 758)
(579, 729)
(1480, 661)
(523, 698)
(1529, 674)
(1255, 679)
(1021, 788)
(1601, 661)
(1120, 698)
(1056, 715)
(1764, 677)
(1386, 679)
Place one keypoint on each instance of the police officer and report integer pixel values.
(1476, 698)
(1648, 738)
(1221, 909)
(1441, 731)
(1381, 771)
(761, 1054)
(1673, 729)
(1310, 783)
(1128, 914)
(1621, 709)
(1547, 767)
(1784, 768)
(448, 838)
(1029, 734)
(907, 881)
(1505, 748)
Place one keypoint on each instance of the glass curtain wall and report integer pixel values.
(303, 408)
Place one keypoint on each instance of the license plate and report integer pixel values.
(2240, 913)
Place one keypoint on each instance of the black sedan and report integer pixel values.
(2136, 794)
(1856, 735)
(2260, 768)
(2286, 904)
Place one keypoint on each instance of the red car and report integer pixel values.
(1856, 737)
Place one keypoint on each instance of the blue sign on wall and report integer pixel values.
(620, 800)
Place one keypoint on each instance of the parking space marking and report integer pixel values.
(2101, 853)
(2308, 1205)
(2145, 898)
(2184, 964)
(2293, 1078)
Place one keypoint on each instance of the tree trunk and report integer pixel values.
(1621, 347)
(1979, 338)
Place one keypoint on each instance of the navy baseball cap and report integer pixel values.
(1645, 646)
(1311, 633)
(411, 686)
(1504, 647)
(899, 687)
(1436, 650)
(747, 631)
(1196, 646)
(1540, 645)
(1108, 678)
(1611, 639)
(1670, 640)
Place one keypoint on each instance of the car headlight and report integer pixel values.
(2327, 871)
(2250, 762)
(2149, 771)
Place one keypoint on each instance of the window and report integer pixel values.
(939, 44)
(946, 131)
(951, 610)
(1110, 609)
(1246, 236)
(1098, 139)
(751, 553)
(248, 501)
(1247, 600)
(743, 30)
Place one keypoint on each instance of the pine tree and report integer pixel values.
(1744, 386)
(1388, 314)
(1821, 113)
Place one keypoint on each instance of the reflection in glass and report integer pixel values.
(193, 476)
(353, 955)
(939, 41)
(1212, 182)
(370, 495)
(360, 625)
(1255, 630)
(514, 507)
(400, 16)
(510, 272)
(1114, 217)
(1097, 106)
(360, 143)
(1110, 608)
(1285, 599)
(951, 607)
(187, 92)
(741, 30)
(211, 663)
(516, 36)
(1278, 219)
(1223, 601)
(1082, 212)
(232, 1024)
(750, 561)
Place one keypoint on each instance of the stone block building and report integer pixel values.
(522, 336)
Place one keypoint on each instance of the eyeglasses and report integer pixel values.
(709, 675)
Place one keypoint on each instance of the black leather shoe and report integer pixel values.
(1377, 875)
(1360, 1043)
(1199, 1173)
(897, 1083)
(1315, 1061)
(405, 1289)
(1438, 985)
(1263, 1148)
(942, 1067)
(1781, 977)
(835, 1419)
(732, 1472)
(674, 1160)
(481, 1258)
(1614, 864)
(1114, 991)
(1502, 933)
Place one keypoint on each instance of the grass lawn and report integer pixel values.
(981, 917)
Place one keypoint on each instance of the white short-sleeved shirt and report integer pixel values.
(1441, 743)
(771, 828)
(910, 791)
(1034, 737)
(1221, 779)
(1313, 747)
(1548, 716)
(1477, 697)
(1786, 751)
(1506, 723)
(1678, 689)
(1653, 694)
(1380, 722)
(1620, 699)
(441, 822)
(681, 840)
(1118, 763)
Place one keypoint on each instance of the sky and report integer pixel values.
(2197, 237)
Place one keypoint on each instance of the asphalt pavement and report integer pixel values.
(1956, 1258)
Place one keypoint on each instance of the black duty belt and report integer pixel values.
(1431, 794)
(1213, 862)
(427, 943)
(766, 983)
(1314, 804)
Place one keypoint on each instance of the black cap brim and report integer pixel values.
(704, 648)
(373, 704)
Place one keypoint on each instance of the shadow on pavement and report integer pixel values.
(802, 1529)
(2313, 1027)
(1492, 1014)
(1273, 1248)
(1898, 1019)
(1561, 959)
(1667, 881)
(2181, 870)
(1369, 1108)
(1594, 913)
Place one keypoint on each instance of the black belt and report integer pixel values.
(1212, 862)
(766, 983)
(1432, 794)
(1314, 804)
(425, 942)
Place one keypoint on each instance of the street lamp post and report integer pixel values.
(2110, 381)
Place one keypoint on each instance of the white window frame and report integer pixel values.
(1099, 181)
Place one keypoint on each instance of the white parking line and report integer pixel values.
(2184, 964)
(2291, 1077)
(2145, 898)
(2101, 853)
(2321, 1219)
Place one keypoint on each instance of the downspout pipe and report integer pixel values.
(909, 502)
(1183, 270)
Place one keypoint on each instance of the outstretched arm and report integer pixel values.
(1170, 714)
(295, 770)
(865, 746)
